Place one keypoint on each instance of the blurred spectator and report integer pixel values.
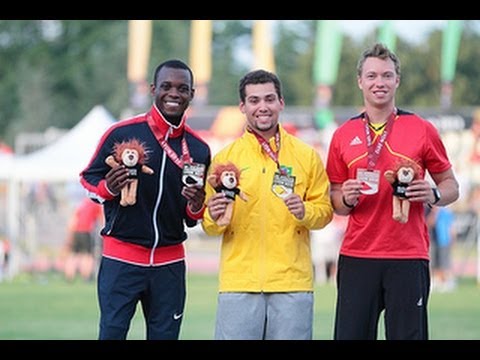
(325, 244)
(80, 243)
(4, 258)
(475, 154)
(41, 197)
(440, 221)
(474, 157)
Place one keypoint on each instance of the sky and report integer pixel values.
(413, 31)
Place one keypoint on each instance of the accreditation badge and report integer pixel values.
(193, 174)
(370, 180)
(283, 184)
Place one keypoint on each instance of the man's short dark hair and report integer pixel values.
(174, 64)
(259, 77)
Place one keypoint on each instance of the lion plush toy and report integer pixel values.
(133, 155)
(405, 172)
(225, 178)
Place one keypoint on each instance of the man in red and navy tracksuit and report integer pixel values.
(143, 257)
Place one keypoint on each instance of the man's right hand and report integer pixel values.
(116, 179)
(217, 204)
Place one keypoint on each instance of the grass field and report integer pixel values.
(45, 307)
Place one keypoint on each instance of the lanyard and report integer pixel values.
(374, 153)
(268, 149)
(167, 148)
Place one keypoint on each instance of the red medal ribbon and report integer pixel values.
(268, 149)
(166, 146)
(374, 154)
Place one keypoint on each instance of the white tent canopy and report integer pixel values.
(61, 161)
(6, 164)
(65, 158)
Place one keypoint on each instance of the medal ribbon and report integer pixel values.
(166, 146)
(374, 154)
(268, 149)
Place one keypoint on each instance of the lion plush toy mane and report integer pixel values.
(133, 155)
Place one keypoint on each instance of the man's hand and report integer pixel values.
(295, 205)
(116, 179)
(217, 204)
(195, 197)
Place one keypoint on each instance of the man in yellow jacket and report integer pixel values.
(266, 271)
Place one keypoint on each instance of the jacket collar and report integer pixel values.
(164, 126)
(252, 138)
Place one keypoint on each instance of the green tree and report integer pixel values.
(466, 91)
(55, 71)
(294, 61)
(56, 77)
(226, 67)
